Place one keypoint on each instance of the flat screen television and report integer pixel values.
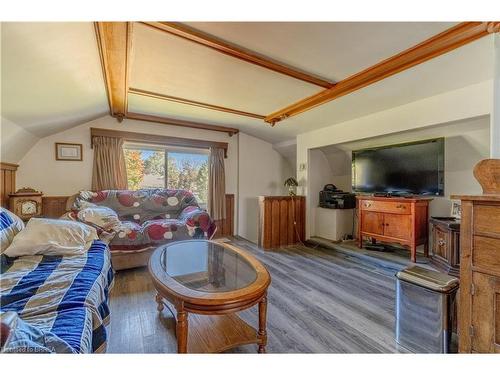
(415, 168)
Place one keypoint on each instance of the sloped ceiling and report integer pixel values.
(52, 77)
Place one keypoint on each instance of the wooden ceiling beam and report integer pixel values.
(115, 43)
(439, 44)
(183, 31)
(177, 122)
(193, 103)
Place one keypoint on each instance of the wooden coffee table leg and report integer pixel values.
(182, 330)
(159, 302)
(262, 325)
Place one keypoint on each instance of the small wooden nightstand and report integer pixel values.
(26, 203)
(446, 245)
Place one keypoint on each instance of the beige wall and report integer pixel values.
(466, 142)
(15, 141)
(39, 169)
(255, 169)
(262, 171)
(466, 103)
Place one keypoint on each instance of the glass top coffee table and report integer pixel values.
(213, 281)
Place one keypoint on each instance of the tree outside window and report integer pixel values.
(184, 170)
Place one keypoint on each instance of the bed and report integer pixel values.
(63, 296)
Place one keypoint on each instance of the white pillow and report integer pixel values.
(52, 237)
(101, 216)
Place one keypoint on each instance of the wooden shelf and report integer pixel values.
(218, 333)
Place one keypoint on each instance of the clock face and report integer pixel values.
(28, 208)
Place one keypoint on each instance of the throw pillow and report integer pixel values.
(52, 237)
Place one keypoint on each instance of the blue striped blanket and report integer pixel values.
(64, 295)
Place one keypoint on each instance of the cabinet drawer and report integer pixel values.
(487, 219)
(440, 243)
(486, 254)
(389, 207)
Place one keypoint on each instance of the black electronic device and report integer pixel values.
(401, 170)
(331, 197)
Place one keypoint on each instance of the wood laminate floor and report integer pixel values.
(320, 301)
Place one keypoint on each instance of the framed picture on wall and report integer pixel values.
(69, 151)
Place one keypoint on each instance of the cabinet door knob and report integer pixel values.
(441, 242)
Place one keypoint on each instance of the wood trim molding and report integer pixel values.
(8, 166)
(196, 36)
(115, 43)
(177, 122)
(7, 182)
(193, 103)
(54, 206)
(439, 44)
(156, 139)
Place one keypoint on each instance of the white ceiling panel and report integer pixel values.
(470, 64)
(51, 75)
(170, 65)
(332, 50)
(52, 78)
(158, 107)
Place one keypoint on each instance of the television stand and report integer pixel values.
(395, 220)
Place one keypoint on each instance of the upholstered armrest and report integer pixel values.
(196, 217)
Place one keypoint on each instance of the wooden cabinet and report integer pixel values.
(281, 220)
(479, 306)
(396, 220)
(7, 182)
(446, 245)
(485, 319)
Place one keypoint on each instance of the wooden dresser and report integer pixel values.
(479, 307)
(479, 303)
(395, 220)
(281, 220)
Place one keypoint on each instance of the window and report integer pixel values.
(150, 166)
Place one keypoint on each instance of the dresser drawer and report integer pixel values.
(486, 254)
(486, 219)
(389, 207)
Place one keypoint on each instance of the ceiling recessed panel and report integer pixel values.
(331, 50)
(171, 65)
(162, 108)
(51, 75)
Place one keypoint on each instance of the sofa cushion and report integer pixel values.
(141, 205)
(151, 217)
(103, 217)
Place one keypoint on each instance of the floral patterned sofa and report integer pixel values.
(149, 218)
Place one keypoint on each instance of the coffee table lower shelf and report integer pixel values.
(218, 333)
